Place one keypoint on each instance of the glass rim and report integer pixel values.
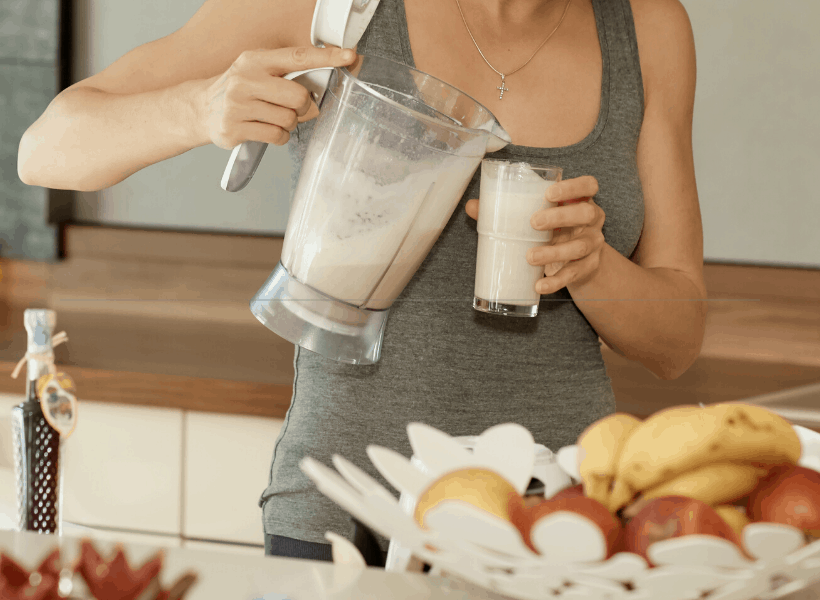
(534, 165)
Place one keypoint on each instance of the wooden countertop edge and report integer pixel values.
(167, 391)
(265, 400)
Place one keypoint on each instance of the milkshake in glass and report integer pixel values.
(511, 192)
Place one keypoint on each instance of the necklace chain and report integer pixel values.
(503, 76)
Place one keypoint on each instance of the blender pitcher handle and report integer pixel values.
(245, 157)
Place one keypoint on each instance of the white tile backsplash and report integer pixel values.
(124, 473)
(8, 484)
(8, 499)
(7, 402)
(227, 460)
(123, 468)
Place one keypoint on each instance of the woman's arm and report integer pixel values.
(165, 97)
(652, 310)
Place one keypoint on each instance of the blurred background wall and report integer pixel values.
(755, 134)
(30, 76)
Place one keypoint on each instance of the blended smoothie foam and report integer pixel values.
(505, 235)
(360, 240)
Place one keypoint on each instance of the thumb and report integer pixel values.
(280, 61)
(472, 208)
(312, 113)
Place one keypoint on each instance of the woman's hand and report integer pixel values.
(573, 254)
(251, 101)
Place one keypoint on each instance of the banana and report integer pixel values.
(599, 447)
(714, 484)
(677, 440)
(734, 516)
(621, 493)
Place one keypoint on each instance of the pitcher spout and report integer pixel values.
(497, 137)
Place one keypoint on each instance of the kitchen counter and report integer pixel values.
(800, 405)
(239, 577)
(161, 318)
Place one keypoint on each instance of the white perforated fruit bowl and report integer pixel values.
(467, 543)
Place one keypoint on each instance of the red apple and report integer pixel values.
(581, 505)
(533, 499)
(634, 507)
(620, 542)
(576, 491)
(789, 494)
(670, 517)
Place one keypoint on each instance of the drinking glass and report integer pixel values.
(511, 192)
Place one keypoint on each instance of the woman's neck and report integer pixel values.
(513, 12)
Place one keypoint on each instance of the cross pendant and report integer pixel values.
(502, 88)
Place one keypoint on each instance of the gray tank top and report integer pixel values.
(444, 363)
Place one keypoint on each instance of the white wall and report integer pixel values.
(161, 476)
(756, 133)
(757, 129)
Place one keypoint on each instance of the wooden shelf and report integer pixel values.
(161, 318)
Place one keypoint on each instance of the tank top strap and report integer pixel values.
(386, 35)
(615, 20)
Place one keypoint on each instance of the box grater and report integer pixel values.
(36, 443)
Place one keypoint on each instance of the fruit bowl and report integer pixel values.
(478, 542)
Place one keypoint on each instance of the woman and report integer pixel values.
(602, 88)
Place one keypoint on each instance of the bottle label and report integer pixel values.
(56, 393)
(62, 379)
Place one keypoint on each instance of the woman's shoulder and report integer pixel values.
(286, 22)
(258, 23)
(293, 19)
(665, 40)
(664, 16)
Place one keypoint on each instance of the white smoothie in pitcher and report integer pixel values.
(506, 205)
(360, 240)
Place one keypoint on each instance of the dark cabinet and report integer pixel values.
(34, 68)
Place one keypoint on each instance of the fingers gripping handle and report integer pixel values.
(315, 80)
(245, 157)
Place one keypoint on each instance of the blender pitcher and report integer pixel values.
(392, 152)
